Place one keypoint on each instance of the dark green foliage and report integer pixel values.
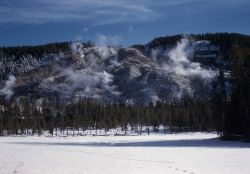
(38, 51)
(35, 51)
(238, 119)
(224, 40)
(27, 117)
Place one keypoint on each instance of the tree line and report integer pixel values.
(18, 52)
(29, 117)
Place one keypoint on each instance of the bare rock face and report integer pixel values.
(116, 74)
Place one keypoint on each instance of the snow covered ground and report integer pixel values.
(172, 153)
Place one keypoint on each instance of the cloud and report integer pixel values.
(97, 12)
(226, 3)
(93, 11)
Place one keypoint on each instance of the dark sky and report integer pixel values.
(123, 22)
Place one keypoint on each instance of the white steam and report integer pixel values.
(104, 40)
(180, 64)
(77, 49)
(190, 77)
(88, 79)
(7, 89)
(88, 83)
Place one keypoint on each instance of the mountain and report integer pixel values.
(167, 68)
(183, 83)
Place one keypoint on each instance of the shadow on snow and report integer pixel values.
(209, 143)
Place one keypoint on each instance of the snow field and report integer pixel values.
(191, 153)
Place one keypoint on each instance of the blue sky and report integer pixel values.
(123, 22)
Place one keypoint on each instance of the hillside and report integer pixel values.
(120, 74)
(189, 82)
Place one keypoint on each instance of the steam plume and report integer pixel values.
(7, 90)
(77, 49)
(89, 79)
(180, 64)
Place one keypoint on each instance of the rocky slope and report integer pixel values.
(115, 74)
